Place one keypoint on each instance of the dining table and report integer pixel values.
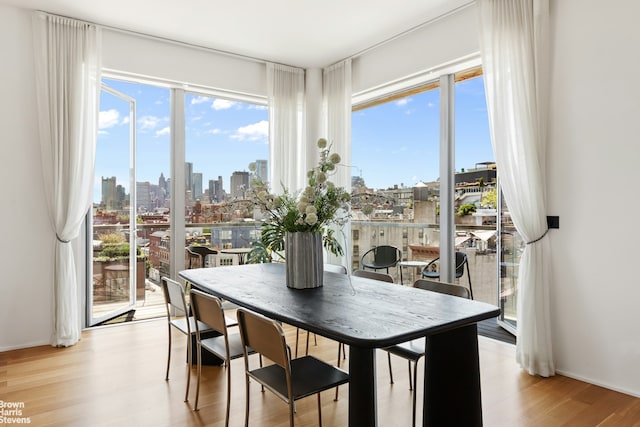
(368, 315)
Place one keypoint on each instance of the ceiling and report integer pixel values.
(300, 33)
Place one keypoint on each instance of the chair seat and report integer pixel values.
(215, 345)
(308, 374)
(412, 350)
(181, 323)
(431, 274)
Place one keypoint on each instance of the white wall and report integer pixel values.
(593, 156)
(26, 247)
(593, 147)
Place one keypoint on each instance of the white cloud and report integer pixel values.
(431, 105)
(163, 131)
(148, 122)
(125, 120)
(252, 132)
(222, 104)
(257, 107)
(404, 101)
(199, 100)
(108, 119)
(214, 131)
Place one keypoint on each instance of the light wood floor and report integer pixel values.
(115, 377)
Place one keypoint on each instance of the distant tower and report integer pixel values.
(188, 176)
(197, 185)
(216, 194)
(262, 170)
(109, 193)
(239, 183)
(162, 190)
(143, 196)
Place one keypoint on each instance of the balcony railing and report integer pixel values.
(480, 243)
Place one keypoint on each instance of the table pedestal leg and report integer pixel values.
(362, 387)
(452, 379)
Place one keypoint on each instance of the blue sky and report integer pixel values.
(398, 142)
(393, 143)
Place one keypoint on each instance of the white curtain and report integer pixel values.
(67, 57)
(337, 112)
(286, 124)
(337, 104)
(514, 45)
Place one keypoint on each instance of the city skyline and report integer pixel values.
(395, 143)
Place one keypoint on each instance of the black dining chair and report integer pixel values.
(381, 257)
(384, 277)
(462, 263)
(207, 310)
(289, 379)
(414, 350)
(178, 317)
(203, 252)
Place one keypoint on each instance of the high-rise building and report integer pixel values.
(143, 197)
(162, 190)
(262, 170)
(239, 183)
(197, 185)
(108, 200)
(216, 192)
(122, 198)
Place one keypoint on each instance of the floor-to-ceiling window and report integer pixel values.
(397, 175)
(222, 138)
(134, 241)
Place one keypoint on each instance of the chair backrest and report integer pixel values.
(383, 256)
(265, 336)
(386, 254)
(208, 309)
(461, 260)
(173, 296)
(443, 288)
(384, 277)
(202, 252)
(191, 257)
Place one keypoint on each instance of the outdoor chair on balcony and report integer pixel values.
(462, 264)
(203, 252)
(381, 257)
(413, 350)
(193, 259)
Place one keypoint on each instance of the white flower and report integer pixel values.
(334, 158)
(322, 143)
(311, 210)
(311, 219)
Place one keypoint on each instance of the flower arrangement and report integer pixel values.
(318, 206)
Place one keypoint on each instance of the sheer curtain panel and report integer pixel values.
(337, 111)
(67, 57)
(285, 87)
(514, 46)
